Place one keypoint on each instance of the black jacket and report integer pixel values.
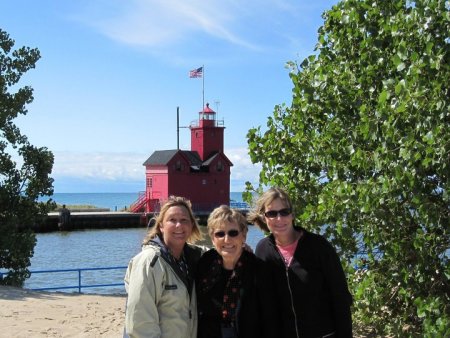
(255, 315)
(313, 292)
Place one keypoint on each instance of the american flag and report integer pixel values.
(196, 72)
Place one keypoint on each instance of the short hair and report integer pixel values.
(174, 201)
(224, 214)
(256, 215)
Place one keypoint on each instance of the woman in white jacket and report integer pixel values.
(160, 279)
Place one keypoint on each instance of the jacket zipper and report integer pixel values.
(188, 295)
(290, 293)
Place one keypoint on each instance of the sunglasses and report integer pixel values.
(274, 213)
(230, 233)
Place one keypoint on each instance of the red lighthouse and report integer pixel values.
(201, 174)
(207, 134)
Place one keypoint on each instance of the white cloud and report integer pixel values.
(255, 25)
(105, 166)
(243, 169)
(165, 22)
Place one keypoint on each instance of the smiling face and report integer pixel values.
(281, 226)
(229, 247)
(176, 228)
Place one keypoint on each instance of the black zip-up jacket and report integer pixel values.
(256, 316)
(314, 300)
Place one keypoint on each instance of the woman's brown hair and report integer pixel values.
(256, 215)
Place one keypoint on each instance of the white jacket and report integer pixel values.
(161, 303)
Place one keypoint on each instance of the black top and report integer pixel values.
(312, 292)
(255, 309)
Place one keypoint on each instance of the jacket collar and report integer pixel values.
(187, 279)
(271, 237)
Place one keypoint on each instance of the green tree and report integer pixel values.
(20, 183)
(364, 149)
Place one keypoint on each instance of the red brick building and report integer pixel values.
(201, 174)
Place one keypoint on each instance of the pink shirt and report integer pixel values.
(288, 251)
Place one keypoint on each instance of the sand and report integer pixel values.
(25, 313)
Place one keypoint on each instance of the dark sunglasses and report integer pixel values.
(274, 213)
(230, 233)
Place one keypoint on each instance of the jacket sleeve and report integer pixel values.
(143, 282)
(340, 295)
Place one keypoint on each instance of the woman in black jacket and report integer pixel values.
(310, 284)
(233, 289)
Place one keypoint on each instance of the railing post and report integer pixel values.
(79, 280)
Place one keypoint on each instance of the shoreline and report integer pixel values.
(27, 313)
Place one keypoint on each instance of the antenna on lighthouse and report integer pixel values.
(178, 128)
(217, 103)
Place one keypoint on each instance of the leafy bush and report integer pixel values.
(364, 149)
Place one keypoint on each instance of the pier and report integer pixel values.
(80, 220)
(105, 219)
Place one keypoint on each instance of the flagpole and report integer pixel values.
(203, 90)
(196, 73)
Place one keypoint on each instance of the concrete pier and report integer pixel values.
(94, 220)
(105, 219)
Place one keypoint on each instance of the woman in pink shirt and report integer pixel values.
(309, 281)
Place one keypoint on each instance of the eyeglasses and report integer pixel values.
(274, 213)
(230, 233)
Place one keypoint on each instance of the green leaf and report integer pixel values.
(383, 97)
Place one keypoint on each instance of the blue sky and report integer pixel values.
(112, 74)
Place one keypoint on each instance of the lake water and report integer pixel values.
(92, 249)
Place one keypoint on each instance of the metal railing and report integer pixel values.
(139, 203)
(239, 205)
(84, 286)
(80, 284)
(196, 207)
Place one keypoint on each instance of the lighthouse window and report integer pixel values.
(179, 166)
(149, 182)
(219, 166)
(204, 181)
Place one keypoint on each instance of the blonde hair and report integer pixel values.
(256, 215)
(174, 201)
(224, 214)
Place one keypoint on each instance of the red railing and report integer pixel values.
(139, 204)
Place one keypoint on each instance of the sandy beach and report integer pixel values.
(25, 313)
